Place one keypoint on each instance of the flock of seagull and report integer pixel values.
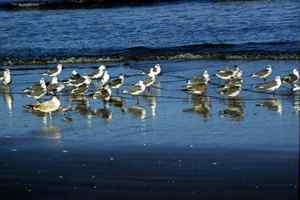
(78, 85)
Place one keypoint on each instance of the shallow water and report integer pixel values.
(168, 117)
(171, 145)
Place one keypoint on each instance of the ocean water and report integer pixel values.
(270, 25)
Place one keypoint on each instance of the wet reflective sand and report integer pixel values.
(171, 142)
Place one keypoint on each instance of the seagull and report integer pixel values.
(47, 106)
(74, 76)
(54, 86)
(157, 69)
(136, 89)
(269, 86)
(98, 73)
(291, 78)
(150, 79)
(54, 71)
(77, 80)
(37, 91)
(227, 74)
(196, 87)
(79, 90)
(204, 78)
(117, 83)
(264, 73)
(103, 93)
(105, 78)
(238, 74)
(6, 77)
(231, 90)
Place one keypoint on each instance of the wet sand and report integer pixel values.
(172, 145)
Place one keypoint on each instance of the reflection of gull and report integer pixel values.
(8, 98)
(50, 132)
(83, 108)
(296, 87)
(201, 106)
(104, 113)
(118, 102)
(137, 111)
(271, 104)
(153, 104)
(234, 110)
(297, 103)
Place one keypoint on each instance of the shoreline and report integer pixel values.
(154, 57)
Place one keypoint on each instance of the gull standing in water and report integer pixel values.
(37, 91)
(136, 90)
(291, 78)
(103, 93)
(150, 79)
(105, 78)
(157, 69)
(54, 71)
(47, 106)
(54, 86)
(117, 83)
(264, 73)
(231, 90)
(6, 77)
(204, 78)
(98, 73)
(269, 86)
(226, 74)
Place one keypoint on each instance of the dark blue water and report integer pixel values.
(99, 31)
